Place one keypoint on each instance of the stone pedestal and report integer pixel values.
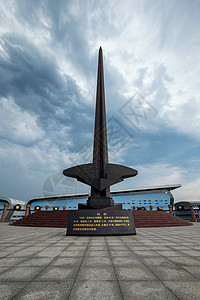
(101, 201)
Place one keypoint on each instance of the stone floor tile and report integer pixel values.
(126, 261)
(190, 252)
(157, 261)
(49, 252)
(185, 261)
(57, 273)
(97, 248)
(134, 273)
(169, 273)
(97, 253)
(104, 290)
(145, 253)
(36, 262)
(11, 261)
(2, 269)
(29, 251)
(72, 253)
(136, 248)
(184, 290)
(20, 273)
(169, 253)
(140, 290)
(96, 274)
(118, 248)
(195, 271)
(121, 253)
(76, 248)
(8, 290)
(45, 291)
(66, 261)
(3, 253)
(97, 261)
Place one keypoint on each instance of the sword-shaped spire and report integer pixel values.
(100, 149)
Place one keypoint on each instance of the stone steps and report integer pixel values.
(156, 219)
(59, 219)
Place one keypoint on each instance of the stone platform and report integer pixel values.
(43, 263)
(142, 219)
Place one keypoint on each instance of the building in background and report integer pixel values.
(159, 197)
(15, 209)
(182, 209)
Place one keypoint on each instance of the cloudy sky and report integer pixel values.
(48, 66)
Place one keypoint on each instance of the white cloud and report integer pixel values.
(188, 191)
(18, 125)
(153, 175)
(147, 36)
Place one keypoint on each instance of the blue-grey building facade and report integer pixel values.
(158, 197)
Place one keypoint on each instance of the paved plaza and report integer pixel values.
(43, 263)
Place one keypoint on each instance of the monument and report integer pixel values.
(100, 216)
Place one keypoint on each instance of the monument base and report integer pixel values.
(100, 222)
(114, 207)
(101, 201)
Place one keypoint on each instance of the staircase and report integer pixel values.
(57, 219)
(142, 219)
(157, 219)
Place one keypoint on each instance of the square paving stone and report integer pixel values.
(97, 253)
(151, 290)
(96, 274)
(190, 252)
(121, 253)
(10, 261)
(126, 261)
(146, 253)
(137, 248)
(49, 252)
(170, 253)
(66, 261)
(115, 244)
(118, 248)
(184, 290)
(104, 290)
(11, 289)
(98, 248)
(180, 248)
(196, 247)
(169, 273)
(20, 273)
(57, 274)
(185, 261)
(195, 271)
(2, 269)
(72, 253)
(158, 261)
(76, 248)
(134, 273)
(3, 253)
(97, 261)
(27, 252)
(36, 261)
(45, 291)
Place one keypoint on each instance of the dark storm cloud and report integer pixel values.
(35, 84)
(65, 24)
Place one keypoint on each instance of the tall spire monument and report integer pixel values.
(99, 216)
(100, 174)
